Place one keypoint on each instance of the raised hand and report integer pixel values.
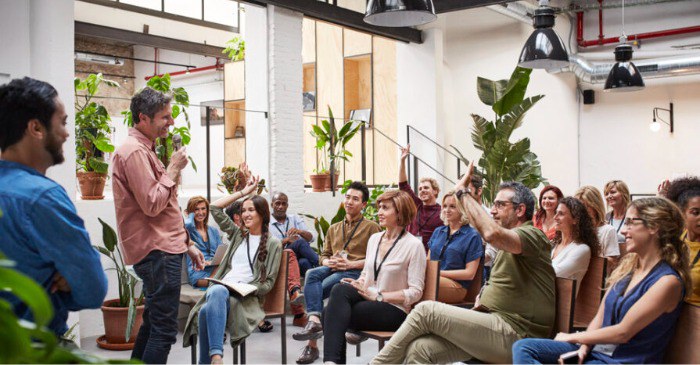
(405, 152)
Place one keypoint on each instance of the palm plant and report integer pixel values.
(501, 159)
(92, 127)
(332, 141)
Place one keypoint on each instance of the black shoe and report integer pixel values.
(312, 331)
(353, 338)
(308, 355)
(265, 326)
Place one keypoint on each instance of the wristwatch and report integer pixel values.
(380, 297)
(460, 193)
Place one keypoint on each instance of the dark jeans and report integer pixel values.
(545, 351)
(160, 272)
(348, 310)
(306, 256)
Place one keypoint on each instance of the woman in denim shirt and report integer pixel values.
(205, 237)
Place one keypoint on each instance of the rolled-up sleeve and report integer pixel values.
(152, 194)
(416, 277)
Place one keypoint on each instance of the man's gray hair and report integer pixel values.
(148, 102)
(522, 195)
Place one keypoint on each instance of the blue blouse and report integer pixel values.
(207, 248)
(649, 345)
(463, 247)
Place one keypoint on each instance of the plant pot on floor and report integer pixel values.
(115, 319)
(318, 182)
(92, 184)
(327, 183)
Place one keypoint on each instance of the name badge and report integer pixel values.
(606, 349)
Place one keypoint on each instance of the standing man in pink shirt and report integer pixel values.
(151, 228)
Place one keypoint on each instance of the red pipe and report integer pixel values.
(198, 69)
(600, 19)
(579, 27)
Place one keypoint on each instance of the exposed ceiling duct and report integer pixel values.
(597, 73)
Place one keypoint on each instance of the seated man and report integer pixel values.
(40, 229)
(291, 229)
(343, 256)
(518, 302)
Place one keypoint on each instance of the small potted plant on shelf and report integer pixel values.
(122, 316)
(234, 179)
(92, 132)
(332, 142)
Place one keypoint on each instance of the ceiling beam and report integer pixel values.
(345, 17)
(446, 6)
(129, 37)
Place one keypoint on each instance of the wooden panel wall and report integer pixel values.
(356, 43)
(234, 80)
(234, 151)
(385, 119)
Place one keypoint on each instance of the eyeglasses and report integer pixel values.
(631, 221)
(500, 204)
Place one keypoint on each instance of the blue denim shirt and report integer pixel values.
(466, 246)
(41, 231)
(208, 248)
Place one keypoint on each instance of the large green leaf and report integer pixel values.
(28, 292)
(98, 165)
(514, 92)
(513, 120)
(109, 237)
(490, 91)
(480, 132)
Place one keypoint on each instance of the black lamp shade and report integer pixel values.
(624, 75)
(544, 49)
(400, 13)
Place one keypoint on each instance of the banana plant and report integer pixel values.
(501, 159)
(332, 141)
(92, 124)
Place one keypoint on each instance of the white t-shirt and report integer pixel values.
(240, 266)
(617, 226)
(572, 262)
(608, 241)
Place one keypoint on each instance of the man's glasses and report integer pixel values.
(500, 204)
(631, 221)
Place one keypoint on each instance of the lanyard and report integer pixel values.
(286, 229)
(378, 269)
(695, 261)
(420, 226)
(617, 230)
(352, 233)
(448, 240)
(247, 245)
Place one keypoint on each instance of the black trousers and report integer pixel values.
(346, 309)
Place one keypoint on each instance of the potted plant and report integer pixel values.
(234, 179)
(122, 316)
(235, 49)
(332, 142)
(92, 130)
(503, 160)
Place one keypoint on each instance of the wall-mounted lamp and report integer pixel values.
(656, 126)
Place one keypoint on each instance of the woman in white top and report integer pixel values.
(617, 195)
(575, 241)
(607, 236)
(390, 283)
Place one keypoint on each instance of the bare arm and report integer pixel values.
(462, 274)
(405, 152)
(228, 199)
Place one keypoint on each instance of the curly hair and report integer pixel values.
(681, 190)
(583, 230)
(263, 209)
(541, 213)
(662, 214)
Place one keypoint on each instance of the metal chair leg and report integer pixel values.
(358, 349)
(193, 345)
(381, 345)
(235, 355)
(242, 350)
(284, 339)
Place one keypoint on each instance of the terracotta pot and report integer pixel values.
(327, 183)
(318, 182)
(115, 323)
(92, 184)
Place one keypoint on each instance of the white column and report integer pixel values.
(285, 103)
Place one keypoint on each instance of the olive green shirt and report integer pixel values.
(521, 287)
(357, 247)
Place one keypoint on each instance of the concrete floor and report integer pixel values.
(261, 348)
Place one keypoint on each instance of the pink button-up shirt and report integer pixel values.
(145, 198)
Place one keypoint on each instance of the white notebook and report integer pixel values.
(219, 254)
(241, 289)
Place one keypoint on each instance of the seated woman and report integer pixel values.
(254, 258)
(459, 248)
(685, 192)
(205, 237)
(617, 195)
(607, 236)
(638, 314)
(575, 242)
(390, 283)
(544, 217)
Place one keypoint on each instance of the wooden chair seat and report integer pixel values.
(590, 293)
(684, 348)
(474, 287)
(565, 292)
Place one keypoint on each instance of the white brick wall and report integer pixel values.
(285, 103)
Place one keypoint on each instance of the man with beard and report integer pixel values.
(295, 237)
(151, 228)
(41, 230)
(518, 301)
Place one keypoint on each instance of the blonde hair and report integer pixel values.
(621, 188)
(590, 196)
(460, 207)
(194, 202)
(403, 204)
(433, 184)
(662, 214)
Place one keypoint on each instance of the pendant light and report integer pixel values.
(624, 75)
(544, 49)
(400, 13)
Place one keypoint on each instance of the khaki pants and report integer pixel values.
(437, 333)
(451, 292)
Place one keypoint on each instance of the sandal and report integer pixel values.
(265, 326)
